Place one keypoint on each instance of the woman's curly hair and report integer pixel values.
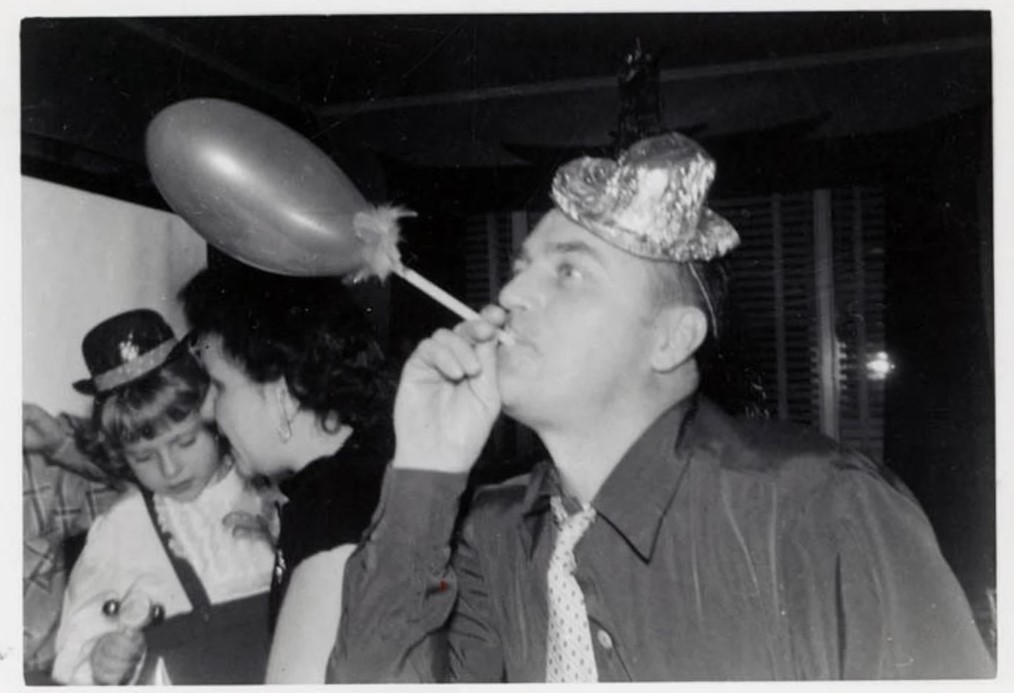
(307, 330)
(142, 409)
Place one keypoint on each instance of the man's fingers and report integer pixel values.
(461, 348)
(449, 354)
(476, 331)
(495, 315)
(431, 357)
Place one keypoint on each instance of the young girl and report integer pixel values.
(166, 589)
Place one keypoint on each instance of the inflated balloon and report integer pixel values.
(266, 195)
(263, 193)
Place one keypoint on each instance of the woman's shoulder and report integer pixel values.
(348, 474)
(332, 506)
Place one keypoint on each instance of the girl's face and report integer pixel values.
(180, 462)
(244, 411)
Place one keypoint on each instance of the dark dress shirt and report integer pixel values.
(722, 550)
(329, 503)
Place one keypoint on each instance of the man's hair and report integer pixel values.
(142, 410)
(699, 284)
(308, 331)
(727, 370)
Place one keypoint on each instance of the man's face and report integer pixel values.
(580, 310)
(242, 410)
(179, 462)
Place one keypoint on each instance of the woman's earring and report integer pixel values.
(221, 442)
(284, 430)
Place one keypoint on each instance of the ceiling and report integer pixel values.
(453, 91)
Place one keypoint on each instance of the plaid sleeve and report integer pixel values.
(56, 504)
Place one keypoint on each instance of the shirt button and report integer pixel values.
(605, 640)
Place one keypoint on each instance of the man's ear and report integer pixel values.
(680, 331)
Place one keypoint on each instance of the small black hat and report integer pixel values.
(124, 348)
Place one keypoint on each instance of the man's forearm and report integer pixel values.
(399, 590)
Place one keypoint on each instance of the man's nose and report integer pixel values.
(514, 295)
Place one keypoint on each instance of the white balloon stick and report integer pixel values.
(447, 300)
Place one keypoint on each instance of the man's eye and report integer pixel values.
(187, 442)
(565, 270)
(142, 459)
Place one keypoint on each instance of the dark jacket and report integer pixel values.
(722, 550)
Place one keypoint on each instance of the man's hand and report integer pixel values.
(42, 432)
(448, 399)
(116, 656)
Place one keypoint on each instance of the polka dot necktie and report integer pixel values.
(569, 654)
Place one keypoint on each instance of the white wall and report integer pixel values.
(86, 257)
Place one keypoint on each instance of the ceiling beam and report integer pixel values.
(210, 59)
(681, 74)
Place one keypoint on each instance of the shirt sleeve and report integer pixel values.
(70, 457)
(474, 650)
(82, 622)
(900, 611)
(401, 588)
(57, 505)
(108, 568)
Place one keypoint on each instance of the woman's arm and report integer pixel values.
(308, 620)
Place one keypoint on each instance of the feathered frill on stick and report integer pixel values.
(379, 230)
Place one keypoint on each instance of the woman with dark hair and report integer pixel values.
(298, 387)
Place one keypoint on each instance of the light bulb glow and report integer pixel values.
(879, 366)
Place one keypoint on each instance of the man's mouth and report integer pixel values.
(519, 344)
(506, 337)
(511, 336)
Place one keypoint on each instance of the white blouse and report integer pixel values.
(124, 559)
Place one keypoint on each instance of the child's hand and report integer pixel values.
(116, 656)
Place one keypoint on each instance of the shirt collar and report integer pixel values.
(543, 484)
(636, 495)
(218, 493)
